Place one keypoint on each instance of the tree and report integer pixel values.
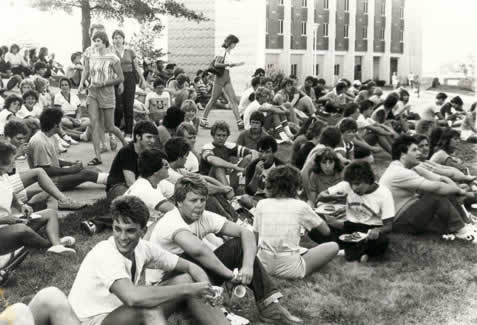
(142, 42)
(142, 10)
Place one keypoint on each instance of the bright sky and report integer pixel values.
(448, 29)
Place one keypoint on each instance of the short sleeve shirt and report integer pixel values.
(90, 294)
(228, 150)
(440, 157)
(278, 223)
(69, 106)
(6, 198)
(369, 209)
(151, 196)
(403, 183)
(321, 182)
(102, 67)
(249, 110)
(126, 159)
(244, 100)
(42, 151)
(246, 139)
(5, 115)
(157, 104)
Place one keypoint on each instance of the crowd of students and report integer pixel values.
(192, 219)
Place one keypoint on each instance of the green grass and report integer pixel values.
(421, 280)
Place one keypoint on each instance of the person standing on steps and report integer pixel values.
(222, 64)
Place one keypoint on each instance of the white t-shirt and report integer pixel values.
(171, 224)
(278, 223)
(369, 209)
(252, 107)
(244, 101)
(155, 102)
(25, 112)
(69, 108)
(151, 196)
(429, 113)
(6, 198)
(192, 163)
(5, 114)
(90, 294)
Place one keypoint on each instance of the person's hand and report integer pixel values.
(373, 234)
(79, 164)
(236, 277)
(96, 85)
(76, 168)
(228, 191)
(121, 88)
(259, 167)
(376, 149)
(246, 274)
(237, 168)
(21, 149)
(203, 289)
(11, 220)
(255, 155)
(238, 64)
(26, 210)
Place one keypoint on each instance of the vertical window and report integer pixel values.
(401, 12)
(401, 35)
(365, 32)
(381, 34)
(317, 69)
(346, 31)
(304, 3)
(303, 28)
(325, 29)
(337, 70)
(294, 68)
(383, 8)
(270, 66)
(266, 26)
(280, 26)
(280, 2)
(326, 4)
(346, 5)
(365, 6)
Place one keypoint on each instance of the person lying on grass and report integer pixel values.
(424, 201)
(43, 153)
(123, 171)
(15, 231)
(48, 307)
(369, 210)
(278, 222)
(107, 287)
(16, 133)
(181, 231)
(220, 158)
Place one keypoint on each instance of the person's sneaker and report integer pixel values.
(21, 157)
(69, 139)
(67, 241)
(84, 136)
(364, 258)
(70, 204)
(466, 233)
(88, 227)
(204, 123)
(275, 313)
(112, 143)
(61, 148)
(61, 250)
(64, 143)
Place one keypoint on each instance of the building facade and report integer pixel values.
(330, 39)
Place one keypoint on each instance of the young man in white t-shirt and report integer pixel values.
(107, 288)
(181, 231)
(433, 111)
(152, 169)
(369, 209)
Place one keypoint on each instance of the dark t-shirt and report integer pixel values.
(246, 139)
(4, 66)
(126, 159)
(302, 154)
(250, 170)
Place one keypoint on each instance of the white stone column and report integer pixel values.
(367, 64)
(329, 60)
(385, 60)
(348, 69)
(285, 56)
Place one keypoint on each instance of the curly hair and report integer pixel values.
(283, 182)
(190, 183)
(14, 127)
(150, 161)
(12, 99)
(445, 139)
(326, 155)
(359, 172)
(130, 208)
(331, 137)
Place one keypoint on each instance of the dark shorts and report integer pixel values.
(104, 97)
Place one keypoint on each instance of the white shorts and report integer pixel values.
(291, 266)
(93, 320)
(17, 186)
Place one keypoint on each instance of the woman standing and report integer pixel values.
(104, 70)
(223, 62)
(125, 100)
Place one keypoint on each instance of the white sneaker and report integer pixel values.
(67, 241)
(467, 233)
(63, 143)
(84, 136)
(61, 250)
(61, 149)
(69, 139)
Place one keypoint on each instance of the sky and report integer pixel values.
(448, 31)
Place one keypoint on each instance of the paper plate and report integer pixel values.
(329, 208)
(353, 238)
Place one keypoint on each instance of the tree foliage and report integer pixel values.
(142, 42)
(144, 11)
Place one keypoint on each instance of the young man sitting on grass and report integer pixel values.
(369, 209)
(424, 201)
(107, 287)
(42, 152)
(220, 158)
(16, 133)
(250, 137)
(372, 132)
(181, 231)
(16, 232)
(124, 171)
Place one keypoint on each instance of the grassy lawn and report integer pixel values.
(421, 280)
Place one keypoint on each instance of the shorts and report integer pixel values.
(291, 266)
(93, 320)
(17, 187)
(104, 97)
(223, 79)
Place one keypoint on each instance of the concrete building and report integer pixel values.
(331, 39)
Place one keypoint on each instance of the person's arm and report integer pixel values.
(214, 186)
(379, 130)
(118, 72)
(249, 248)
(441, 188)
(84, 73)
(252, 186)
(200, 252)
(306, 173)
(129, 177)
(219, 162)
(164, 206)
(358, 141)
(387, 227)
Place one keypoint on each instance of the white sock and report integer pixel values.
(283, 136)
(102, 178)
(288, 131)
